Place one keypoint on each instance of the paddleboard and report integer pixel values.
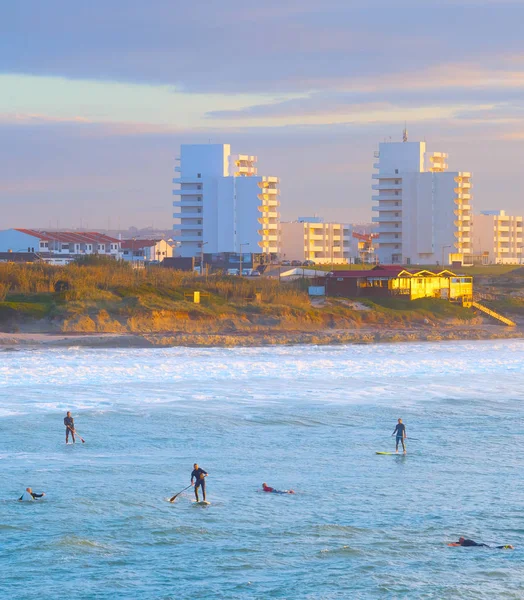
(392, 453)
(201, 503)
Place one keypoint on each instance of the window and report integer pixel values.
(396, 171)
(397, 203)
(199, 221)
(397, 181)
(396, 214)
(199, 175)
(199, 199)
(396, 225)
(396, 236)
(200, 233)
(199, 186)
(396, 192)
(397, 246)
(199, 210)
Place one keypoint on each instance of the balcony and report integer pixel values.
(188, 192)
(195, 201)
(387, 219)
(245, 170)
(388, 208)
(387, 186)
(390, 238)
(315, 237)
(193, 180)
(388, 229)
(188, 227)
(267, 212)
(187, 238)
(188, 215)
(387, 197)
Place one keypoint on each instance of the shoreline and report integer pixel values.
(365, 335)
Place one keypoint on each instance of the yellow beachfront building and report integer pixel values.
(426, 284)
(396, 281)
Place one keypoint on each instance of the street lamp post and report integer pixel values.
(202, 244)
(443, 248)
(241, 246)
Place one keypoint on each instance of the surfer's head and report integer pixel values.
(195, 466)
(68, 413)
(461, 539)
(29, 490)
(400, 420)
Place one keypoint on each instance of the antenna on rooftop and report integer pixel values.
(405, 133)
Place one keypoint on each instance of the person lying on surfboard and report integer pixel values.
(199, 476)
(29, 495)
(468, 543)
(400, 430)
(266, 488)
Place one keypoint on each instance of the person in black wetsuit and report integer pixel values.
(400, 430)
(469, 543)
(69, 423)
(29, 495)
(199, 476)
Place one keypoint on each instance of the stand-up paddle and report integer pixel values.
(186, 488)
(73, 431)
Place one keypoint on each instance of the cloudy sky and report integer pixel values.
(96, 97)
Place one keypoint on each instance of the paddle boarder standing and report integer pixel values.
(69, 423)
(400, 431)
(199, 476)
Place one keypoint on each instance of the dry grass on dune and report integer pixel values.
(111, 297)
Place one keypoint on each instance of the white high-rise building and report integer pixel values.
(424, 210)
(223, 204)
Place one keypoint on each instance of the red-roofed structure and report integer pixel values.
(59, 247)
(391, 280)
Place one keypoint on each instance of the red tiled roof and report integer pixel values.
(137, 244)
(77, 237)
(369, 273)
(31, 232)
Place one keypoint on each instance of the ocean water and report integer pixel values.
(306, 418)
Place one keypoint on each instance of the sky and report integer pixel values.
(96, 98)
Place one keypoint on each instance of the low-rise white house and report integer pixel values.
(58, 247)
(500, 235)
(147, 250)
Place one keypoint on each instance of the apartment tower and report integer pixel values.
(424, 210)
(223, 204)
(499, 236)
(309, 238)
